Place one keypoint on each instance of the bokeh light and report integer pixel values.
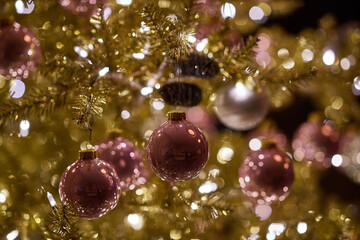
(136, 221)
(124, 2)
(17, 88)
(21, 8)
(256, 14)
(228, 10)
(329, 57)
(301, 227)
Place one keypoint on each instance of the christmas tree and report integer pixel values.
(181, 119)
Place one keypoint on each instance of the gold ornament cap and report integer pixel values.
(87, 154)
(176, 115)
(267, 144)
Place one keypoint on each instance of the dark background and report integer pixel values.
(313, 10)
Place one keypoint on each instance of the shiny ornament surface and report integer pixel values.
(82, 7)
(239, 107)
(316, 142)
(91, 187)
(266, 175)
(126, 160)
(177, 151)
(20, 51)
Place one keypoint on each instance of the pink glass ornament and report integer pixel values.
(20, 51)
(269, 134)
(126, 160)
(316, 142)
(82, 7)
(266, 175)
(177, 151)
(90, 186)
(201, 118)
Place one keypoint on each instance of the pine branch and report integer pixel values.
(107, 52)
(248, 49)
(168, 34)
(239, 61)
(61, 224)
(151, 14)
(38, 103)
(86, 108)
(292, 80)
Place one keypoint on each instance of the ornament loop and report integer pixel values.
(87, 154)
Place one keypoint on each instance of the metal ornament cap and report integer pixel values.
(88, 154)
(176, 115)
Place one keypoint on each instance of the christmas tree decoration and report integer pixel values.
(90, 186)
(316, 142)
(123, 64)
(82, 7)
(126, 160)
(267, 175)
(20, 50)
(180, 93)
(177, 150)
(197, 65)
(239, 107)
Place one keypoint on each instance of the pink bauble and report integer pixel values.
(269, 134)
(177, 151)
(316, 142)
(203, 119)
(20, 51)
(90, 186)
(266, 175)
(126, 160)
(82, 7)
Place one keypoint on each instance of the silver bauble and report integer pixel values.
(239, 107)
